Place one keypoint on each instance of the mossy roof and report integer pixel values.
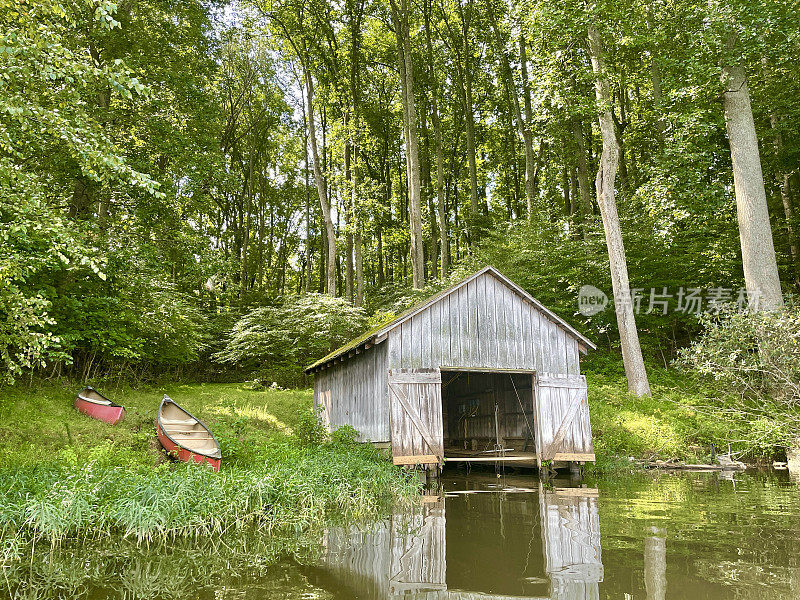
(375, 332)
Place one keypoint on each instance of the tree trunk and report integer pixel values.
(782, 180)
(246, 220)
(531, 166)
(583, 177)
(402, 27)
(355, 65)
(308, 266)
(474, 202)
(441, 215)
(322, 191)
(349, 207)
(523, 126)
(606, 174)
(755, 234)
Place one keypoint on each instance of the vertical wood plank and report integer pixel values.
(466, 339)
(393, 343)
(554, 354)
(455, 332)
(436, 334)
(482, 336)
(406, 350)
(515, 339)
(500, 317)
(492, 316)
(544, 337)
(573, 359)
(527, 327)
(562, 350)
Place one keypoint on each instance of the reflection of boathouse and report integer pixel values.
(419, 555)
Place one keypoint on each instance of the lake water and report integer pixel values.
(688, 535)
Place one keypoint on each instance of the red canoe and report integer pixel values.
(184, 436)
(91, 402)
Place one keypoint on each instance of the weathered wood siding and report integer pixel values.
(562, 418)
(354, 392)
(483, 324)
(415, 405)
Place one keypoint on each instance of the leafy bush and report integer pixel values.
(346, 436)
(277, 341)
(756, 353)
(756, 357)
(309, 429)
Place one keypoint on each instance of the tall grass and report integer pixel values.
(293, 488)
(66, 477)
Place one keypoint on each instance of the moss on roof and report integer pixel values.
(351, 345)
(355, 343)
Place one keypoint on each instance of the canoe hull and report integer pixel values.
(108, 414)
(181, 453)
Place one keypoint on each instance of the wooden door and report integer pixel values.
(562, 418)
(415, 413)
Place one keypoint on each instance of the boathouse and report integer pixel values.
(481, 371)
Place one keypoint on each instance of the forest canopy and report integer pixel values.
(212, 188)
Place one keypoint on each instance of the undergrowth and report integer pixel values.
(274, 480)
(679, 422)
(292, 489)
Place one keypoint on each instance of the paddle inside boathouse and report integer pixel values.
(480, 372)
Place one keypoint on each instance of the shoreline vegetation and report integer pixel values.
(67, 477)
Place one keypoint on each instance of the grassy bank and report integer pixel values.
(66, 476)
(678, 422)
(38, 423)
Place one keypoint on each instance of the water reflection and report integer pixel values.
(672, 536)
(520, 539)
(496, 542)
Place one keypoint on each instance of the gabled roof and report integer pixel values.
(379, 333)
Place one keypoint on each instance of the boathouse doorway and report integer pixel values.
(489, 414)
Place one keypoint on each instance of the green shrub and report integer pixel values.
(309, 428)
(346, 436)
(276, 342)
(755, 356)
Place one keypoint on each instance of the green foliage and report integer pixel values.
(60, 88)
(682, 420)
(278, 341)
(345, 436)
(310, 429)
(87, 479)
(755, 356)
(752, 353)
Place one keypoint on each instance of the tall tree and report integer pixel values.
(623, 305)
(441, 209)
(755, 233)
(322, 189)
(401, 15)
